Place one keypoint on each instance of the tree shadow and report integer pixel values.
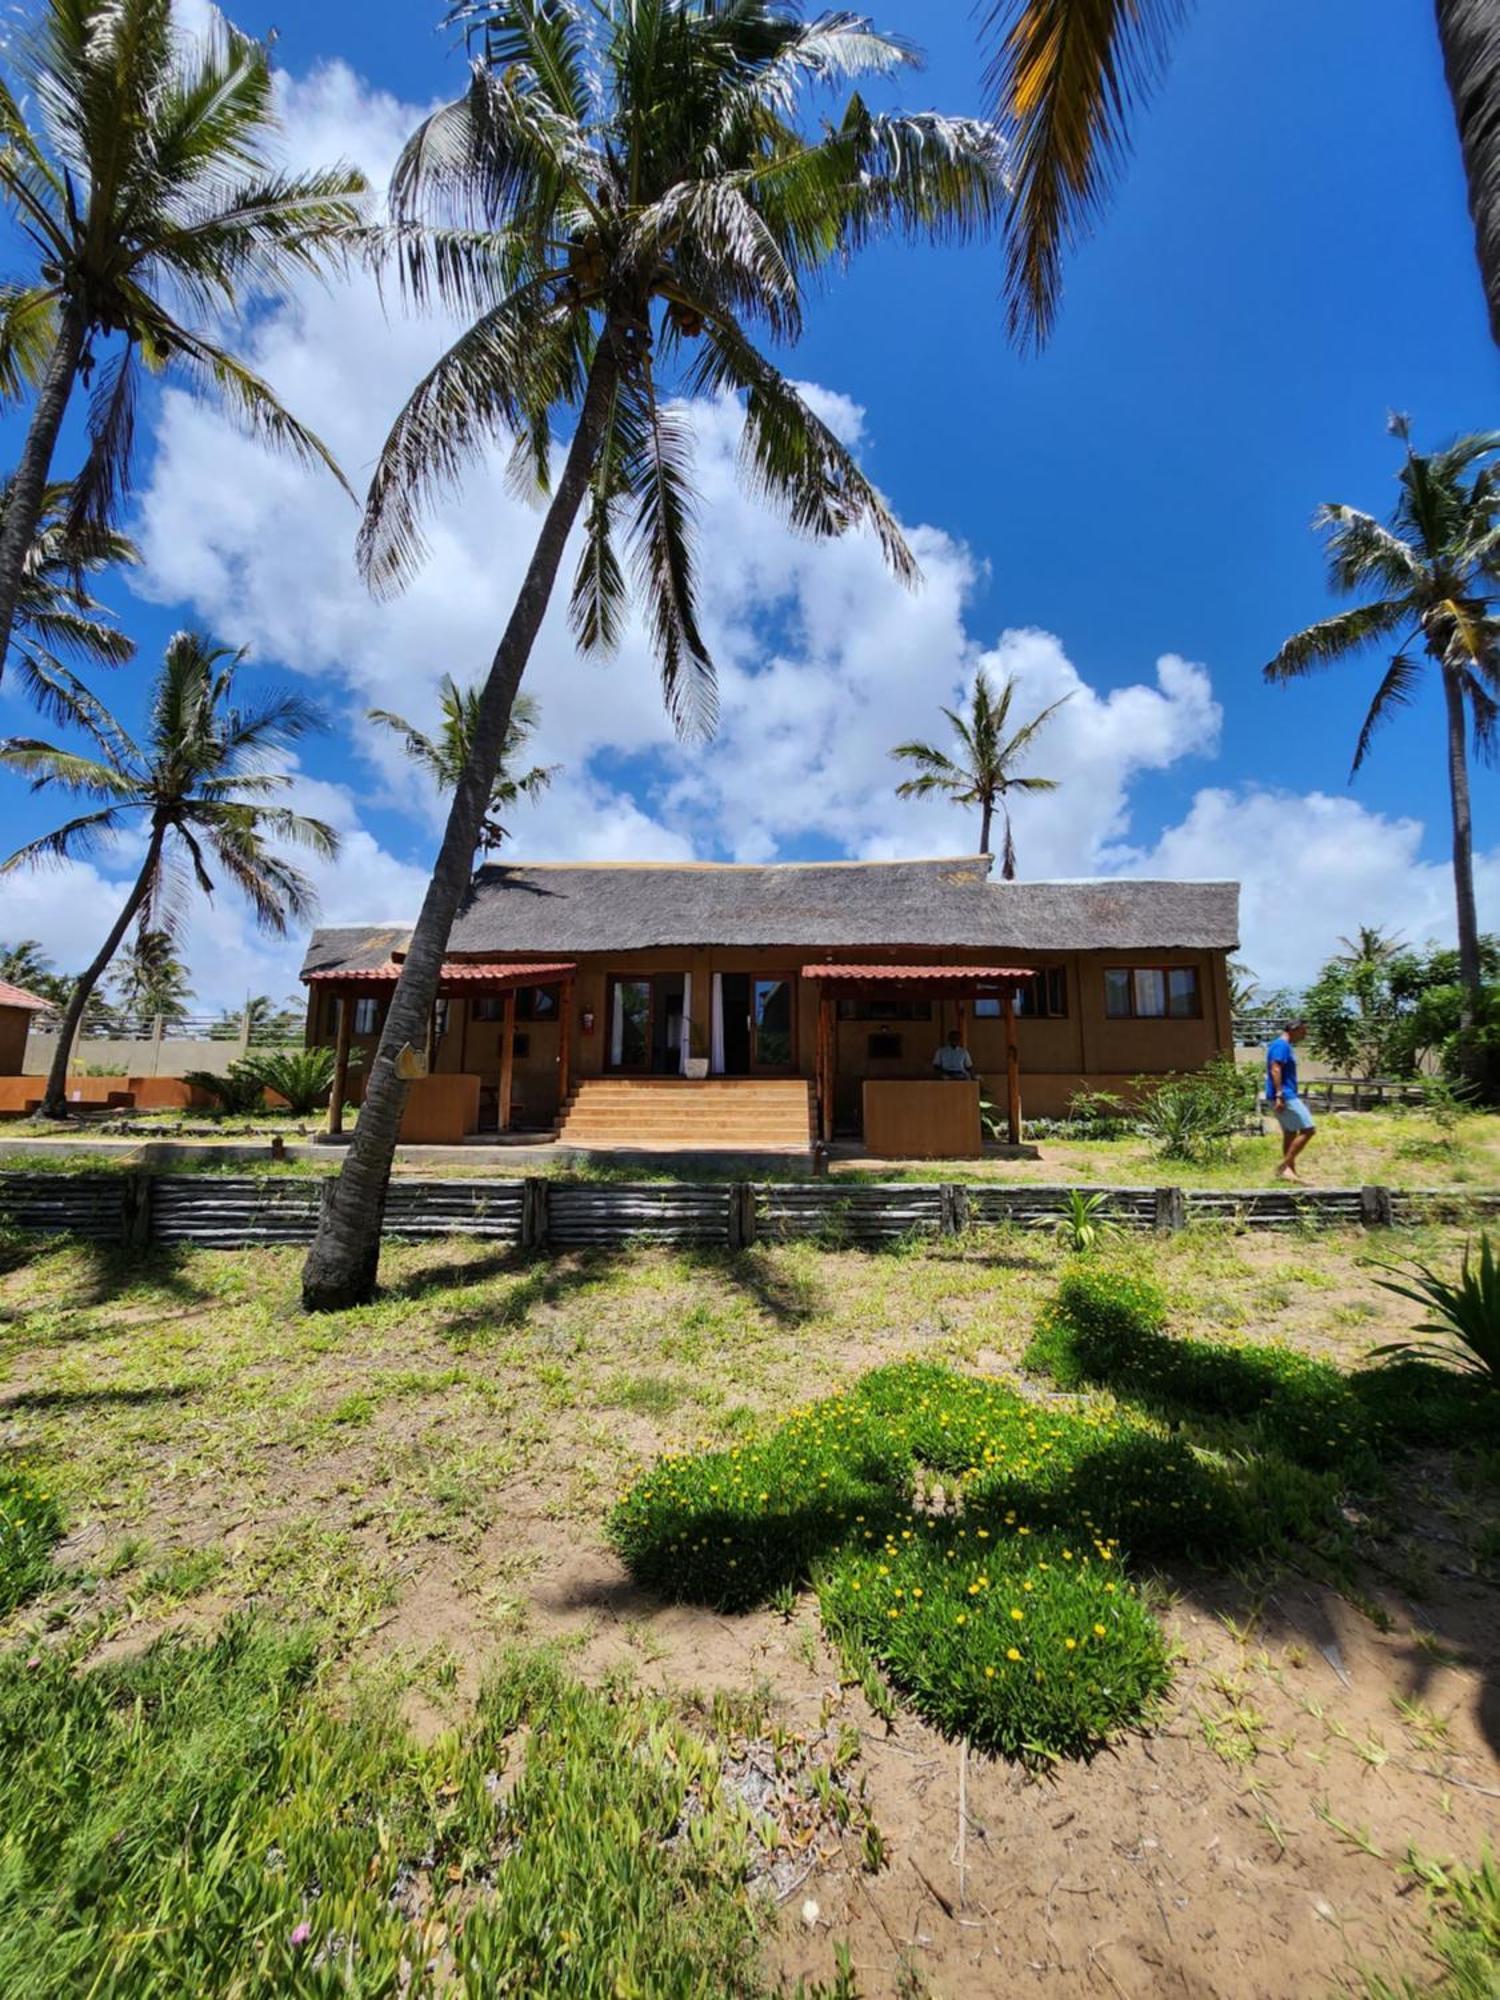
(108, 1272)
(38, 1400)
(788, 1297)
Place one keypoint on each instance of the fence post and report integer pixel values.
(742, 1217)
(533, 1214)
(955, 1209)
(1376, 1209)
(1171, 1209)
(135, 1211)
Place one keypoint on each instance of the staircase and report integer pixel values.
(720, 1114)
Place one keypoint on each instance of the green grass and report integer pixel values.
(1464, 1914)
(30, 1523)
(202, 1818)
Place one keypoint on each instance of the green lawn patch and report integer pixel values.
(30, 1523)
(202, 1819)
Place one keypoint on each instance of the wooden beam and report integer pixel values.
(345, 1006)
(1012, 1070)
(564, 1042)
(507, 1057)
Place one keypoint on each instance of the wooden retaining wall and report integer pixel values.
(230, 1213)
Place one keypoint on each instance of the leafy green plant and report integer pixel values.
(30, 1523)
(1464, 1906)
(1465, 1309)
(238, 1091)
(304, 1077)
(197, 1819)
(1084, 1223)
(1197, 1116)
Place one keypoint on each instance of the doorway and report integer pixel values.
(759, 1025)
(645, 1024)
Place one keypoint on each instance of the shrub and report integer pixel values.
(1465, 1309)
(1084, 1224)
(1096, 1323)
(30, 1524)
(238, 1091)
(304, 1077)
(831, 1497)
(1195, 1117)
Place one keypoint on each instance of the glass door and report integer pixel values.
(773, 1044)
(630, 1011)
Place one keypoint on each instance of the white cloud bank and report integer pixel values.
(825, 663)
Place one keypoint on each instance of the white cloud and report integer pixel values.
(825, 661)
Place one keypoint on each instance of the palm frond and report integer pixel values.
(76, 840)
(1065, 79)
(28, 329)
(1398, 684)
(662, 548)
(1336, 638)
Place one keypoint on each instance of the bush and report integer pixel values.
(30, 1524)
(304, 1077)
(1095, 1325)
(1465, 1310)
(238, 1092)
(1197, 1116)
(830, 1497)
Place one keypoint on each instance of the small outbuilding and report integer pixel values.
(18, 1009)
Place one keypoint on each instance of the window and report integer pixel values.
(1043, 997)
(884, 1047)
(882, 1007)
(1152, 993)
(366, 1014)
(439, 1019)
(536, 1003)
(486, 1006)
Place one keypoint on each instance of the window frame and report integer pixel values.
(897, 1010)
(1049, 980)
(1165, 973)
(362, 1003)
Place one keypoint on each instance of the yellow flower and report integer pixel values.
(1012, 1653)
(989, 1673)
(1071, 1644)
(1017, 1613)
(1099, 1632)
(963, 1617)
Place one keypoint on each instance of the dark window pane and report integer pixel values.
(884, 1047)
(1117, 999)
(1182, 992)
(630, 1025)
(773, 1023)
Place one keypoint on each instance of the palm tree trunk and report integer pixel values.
(1469, 31)
(342, 1265)
(24, 507)
(987, 814)
(1470, 976)
(55, 1102)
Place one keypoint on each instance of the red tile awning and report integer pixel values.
(455, 972)
(17, 996)
(924, 975)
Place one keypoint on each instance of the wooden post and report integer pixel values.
(1012, 1070)
(564, 1043)
(507, 1057)
(533, 1214)
(828, 1054)
(432, 1038)
(340, 1065)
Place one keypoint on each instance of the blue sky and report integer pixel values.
(1288, 257)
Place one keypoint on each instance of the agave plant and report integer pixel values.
(1084, 1223)
(1466, 1310)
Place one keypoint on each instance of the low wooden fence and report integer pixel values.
(224, 1213)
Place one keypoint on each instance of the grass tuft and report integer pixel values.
(30, 1524)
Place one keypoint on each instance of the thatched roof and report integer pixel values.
(559, 910)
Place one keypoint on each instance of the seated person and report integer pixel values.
(952, 1060)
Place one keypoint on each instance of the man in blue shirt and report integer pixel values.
(1293, 1116)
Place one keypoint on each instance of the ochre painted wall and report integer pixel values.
(14, 1022)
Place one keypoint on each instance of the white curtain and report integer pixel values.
(687, 1021)
(617, 1029)
(716, 1028)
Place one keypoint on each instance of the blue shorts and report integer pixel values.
(1292, 1115)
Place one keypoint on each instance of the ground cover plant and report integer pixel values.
(30, 1523)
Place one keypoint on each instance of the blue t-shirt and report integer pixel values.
(1281, 1051)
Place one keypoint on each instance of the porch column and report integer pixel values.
(828, 1049)
(340, 1065)
(507, 1057)
(1012, 1069)
(564, 1042)
(432, 1037)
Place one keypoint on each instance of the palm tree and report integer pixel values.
(26, 965)
(1434, 572)
(982, 774)
(445, 756)
(143, 189)
(634, 203)
(55, 610)
(150, 980)
(1067, 76)
(201, 783)
(1369, 950)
